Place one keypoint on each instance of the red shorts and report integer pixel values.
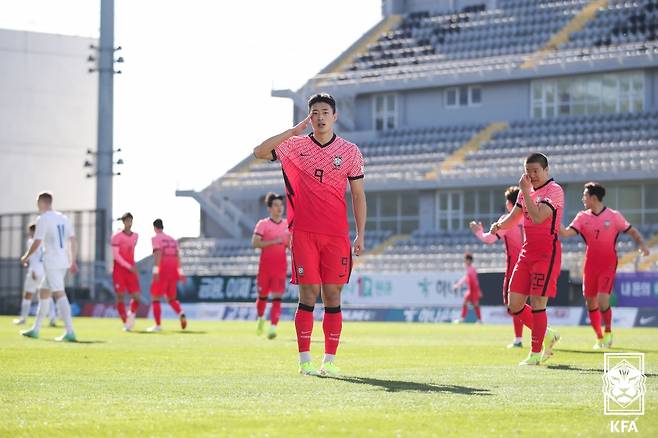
(268, 282)
(164, 287)
(599, 279)
(320, 258)
(473, 297)
(536, 272)
(125, 281)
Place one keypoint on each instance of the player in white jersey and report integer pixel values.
(32, 282)
(54, 230)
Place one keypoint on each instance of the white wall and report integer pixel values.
(48, 112)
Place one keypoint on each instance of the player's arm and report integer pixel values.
(31, 250)
(181, 275)
(568, 231)
(637, 237)
(477, 229)
(73, 252)
(258, 242)
(157, 256)
(360, 210)
(264, 150)
(120, 260)
(460, 282)
(511, 219)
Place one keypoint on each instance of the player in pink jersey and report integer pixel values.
(124, 271)
(271, 235)
(473, 291)
(316, 169)
(166, 274)
(600, 226)
(540, 206)
(513, 239)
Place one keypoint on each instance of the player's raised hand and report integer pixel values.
(300, 127)
(524, 182)
(476, 227)
(359, 245)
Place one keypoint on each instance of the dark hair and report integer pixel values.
(126, 216)
(512, 194)
(32, 227)
(271, 197)
(158, 224)
(595, 189)
(322, 97)
(468, 256)
(45, 196)
(539, 158)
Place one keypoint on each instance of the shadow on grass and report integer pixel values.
(169, 332)
(405, 386)
(630, 350)
(564, 367)
(92, 341)
(564, 350)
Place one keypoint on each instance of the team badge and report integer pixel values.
(338, 160)
(606, 224)
(300, 271)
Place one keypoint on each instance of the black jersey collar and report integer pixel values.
(333, 138)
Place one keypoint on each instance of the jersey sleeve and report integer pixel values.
(284, 149)
(576, 223)
(357, 170)
(155, 242)
(520, 200)
(621, 223)
(40, 230)
(115, 240)
(259, 230)
(554, 198)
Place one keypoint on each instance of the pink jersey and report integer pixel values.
(545, 233)
(600, 233)
(168, 248)
(471, 280)
(513, 239)
(273, 257)
(125, 243)
(316, 179)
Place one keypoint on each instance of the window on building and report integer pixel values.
(385, 112)
(463, 96)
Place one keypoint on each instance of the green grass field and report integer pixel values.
(219, 379)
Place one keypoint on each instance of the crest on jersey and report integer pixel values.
(606, 224)
(300, 271)
(338, 160)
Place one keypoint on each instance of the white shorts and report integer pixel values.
(31, 285)
(53, 280)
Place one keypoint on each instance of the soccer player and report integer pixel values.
(124, 272)
(54, 230)
(513, 239)
(600, 226)
(32, 281)
(540, 205)
(166, 273)
(473, 289)
(271, 235)
(316, 169)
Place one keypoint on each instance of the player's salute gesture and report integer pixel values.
(300, 128)
(265, 149)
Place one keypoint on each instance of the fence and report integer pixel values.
(84, 285)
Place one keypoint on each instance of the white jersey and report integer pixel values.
(54, 230)
(35, 262)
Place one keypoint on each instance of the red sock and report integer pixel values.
(477, 312)
(518, 327)
(524, 315)
(332, 324)
(134, 305)
(157, 312)
(595, 321)
(261, 302)
(539, 323)
(275, 312)
(304, 327)
(464, 311)
(175, 304)
(607, 319)
(121, 308)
